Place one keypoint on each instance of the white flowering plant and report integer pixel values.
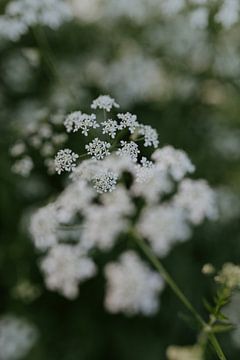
(130, 203)
(118, 196)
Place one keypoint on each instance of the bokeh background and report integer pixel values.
(179, 72)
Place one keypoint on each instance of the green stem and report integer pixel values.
(48, 56)
(166, 276)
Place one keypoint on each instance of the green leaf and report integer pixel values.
(222, 328)
(207, 305)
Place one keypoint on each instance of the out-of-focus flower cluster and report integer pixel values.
(20, 15)
(116, 194)
(185, 353)
(229, 276)
(38, 136)
(224, 12)
(17, 337)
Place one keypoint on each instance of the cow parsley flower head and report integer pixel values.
(102, 226)
(229, 276)
(119, 202)
(163, 226)
(17, 337)
(151, 182)
(104, 102)
(129, 149)
(144, 170)
(198, 199)
(175, 162)
(129, 121)
(65, 160)
(110, 127)
(131, 286)
(105, 181)
(150, 136)
(75, 198)
(98, 149)
(43, 227)
(77, 268)
(78, 120)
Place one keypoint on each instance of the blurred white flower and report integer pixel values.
(18, 149)
(22, 14)
(131, 286)
(198, 199)
(104, 102)
(23, 166)
(194, 352)
(228, 14)
(43, 227)
(64, 267)
(101, 227)
(17, 337)
(175, 162)
(228, 204)
(163, 226)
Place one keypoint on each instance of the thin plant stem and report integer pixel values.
(166, 276)
(48, 56)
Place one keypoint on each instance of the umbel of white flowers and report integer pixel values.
(117, 191)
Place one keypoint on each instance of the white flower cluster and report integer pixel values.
(38, 135)
(22, 14)
(133, 76)
(129, 149)
(65, 160)
(226, 14)
(77, 267)
(163, 226)
(104, 102)
(176, 162)
(77, 120)
(229, 276)
(16, 337)
(131, 286)
(99, 149)
(198, 199)
(23, 166)
(100, 207)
